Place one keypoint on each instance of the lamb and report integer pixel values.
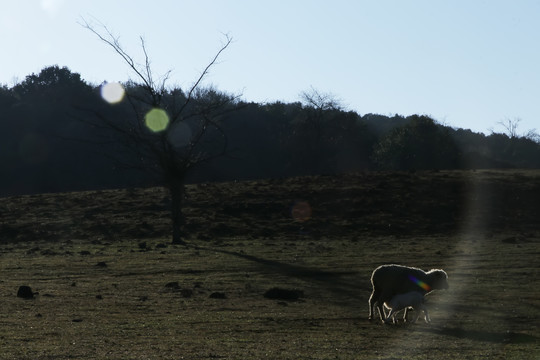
(414, 299)
(391, 280)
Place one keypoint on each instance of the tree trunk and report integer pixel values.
(177, 217)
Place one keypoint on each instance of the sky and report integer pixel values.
(467, 63)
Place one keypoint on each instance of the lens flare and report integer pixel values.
(112, 92)
(301, 211)
(156, 120)
(420, 283)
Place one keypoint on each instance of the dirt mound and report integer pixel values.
(25, 292)
(283, 294)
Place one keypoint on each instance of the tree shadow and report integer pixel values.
(330, 280)
(508, 337)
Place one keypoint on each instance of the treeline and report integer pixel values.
(52, 140)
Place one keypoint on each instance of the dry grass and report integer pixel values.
(102, 297)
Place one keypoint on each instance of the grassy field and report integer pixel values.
(112, 287)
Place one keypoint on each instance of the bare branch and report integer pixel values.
(147, 67)
(114, 42)
(321, 101)
(533, 135)
(511, 126)
(228, 41)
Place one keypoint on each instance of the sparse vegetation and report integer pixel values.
(152, 299)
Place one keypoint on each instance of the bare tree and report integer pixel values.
(510, 126)
(321, 101)
(533, 135)
(170, 130)
(314, 125)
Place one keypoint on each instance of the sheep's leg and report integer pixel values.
(416, 315)
(372, 299)
(371, 305)
(406, 314)
(426, 314)
(396, 312)
(386, 311)
(381, 311)
(380, 307)
(391, 316)
(380, 303)
(383, 315)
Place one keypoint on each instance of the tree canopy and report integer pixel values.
(50, 141)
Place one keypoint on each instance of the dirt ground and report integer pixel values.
(111, 286)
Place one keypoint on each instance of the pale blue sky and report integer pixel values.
(467, 63)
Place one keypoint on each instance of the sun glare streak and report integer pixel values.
(112, 92)
(156, 120)
(461, 269)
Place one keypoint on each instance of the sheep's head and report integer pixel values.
(439, 279)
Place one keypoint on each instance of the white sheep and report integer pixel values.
(391, 280)
(412, 299)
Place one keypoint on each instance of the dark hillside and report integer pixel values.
(318, 207)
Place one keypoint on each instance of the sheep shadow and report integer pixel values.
(508, 337)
